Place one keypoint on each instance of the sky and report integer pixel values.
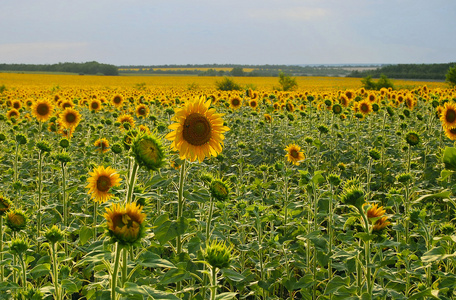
(149, 32)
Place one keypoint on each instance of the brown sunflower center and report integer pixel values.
(103, 183)
(364, 108)
(70, 117)
(294, 153)
(42, 109)
(197, 129)
(117, 100)
(235, 102)
(453, 130)
(17, 105)
(141, 111)
(94, 105)
(450, 116)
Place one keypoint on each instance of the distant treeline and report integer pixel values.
(236, 70)
(89, 68)
(408, 71)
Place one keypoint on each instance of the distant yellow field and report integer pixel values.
(12, 80)
(182, 69)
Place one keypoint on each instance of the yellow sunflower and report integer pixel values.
(70, 118)
(13, 113)
(42, 110)
(95, 105)
(235, 102)
(125, 223)
(117, 100)
(198, 132)
(102, 145)
(126, 119)
(365, 107)
(294, 155)
(448, 115)
(450, 133)
(17, 104)
(253, 104)
(101, 181)
(142, 111)
(375, 212)
(381, 224)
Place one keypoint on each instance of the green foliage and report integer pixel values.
(2, 88)
(383, 82)
(237, 71)
(227, 84)
(287, 82)
(451, 76)
(91, 68)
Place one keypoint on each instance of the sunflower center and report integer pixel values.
(142, 111)
(453, 130)
(94, 105)
(70, 118)
(450, 116)
(197, 129)
(235, 102)
(294, 153)
(103, 183)
(117, 100)
(364, 107)
(17, 105)
(42, 109)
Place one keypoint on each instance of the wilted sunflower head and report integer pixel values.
(5, 205)
(148, 151)
(16, 220)
(125, 223)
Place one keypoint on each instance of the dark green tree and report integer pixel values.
(451, 76)
(287, 82)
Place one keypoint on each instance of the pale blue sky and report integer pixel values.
(129, 32)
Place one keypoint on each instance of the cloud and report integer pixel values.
(42, 51)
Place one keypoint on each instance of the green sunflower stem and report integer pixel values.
(209, 219)
(40, 178)
(1, 247)
(180, 210)
(214, 283)
(95, 206)
(124, 266)
(115, 271)
(65, 204)
(55, 268)
(131, 182)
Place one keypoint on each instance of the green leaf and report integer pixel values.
(336, 283)
(166, 230)
(85, 233)
(436, 253)
(69, 286)
(174, 275)
(40, 270)
(449, 158)
(232, 275)
(131, 289)
(443, 194)
(445, 174)
(226, 296)
(152, 260)
(424, 294)
(365, 236)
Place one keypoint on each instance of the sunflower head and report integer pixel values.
(5, 205)
(380, 224)
(220, 189)
(235, 102)
(42, 110)
(374, 212)
(54, 234)
(117, 100)
(218, 254)
(142, 111)
(70, 118)
(102, 145)
(19, 246)
(353, 195)
(412, 138)
(16, 220)
(294, 154)
(95, 105)
(198, 132)
(125, 224)
(148, 151)
(101, 181)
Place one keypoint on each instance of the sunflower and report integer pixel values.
(268, 118)
(343, 100)
(5, 205)
(66, 104)
(235, 102)
(12, 113)
(117, 100)
(365, 107)
(375, 212)
(148, 151)
(101, 181)
(198, 132)
(253, 103)
(95, 105)
(293, 154)
(126, 119)
(289, 107)
(372, 97)
(17, 104)
(70, 118)
(102, 145)
(16, 220)
(125, 223)
(42, 110)
(349, 94)
(381, 224)
(450, 133)
(142, 111)
(448, 115)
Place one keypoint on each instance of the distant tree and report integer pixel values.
(227, 84)
(287, 82)
(237, 71)
(383, 82)
(451, 76)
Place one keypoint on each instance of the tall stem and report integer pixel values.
(1, 247)
(55, 269)
(214, 283)
(209, 219)
(124, 266)
(180, 211)
(131, 182)
(65, 204)
(40, 175)
(115, 271)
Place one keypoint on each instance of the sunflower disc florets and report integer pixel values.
(148, 151)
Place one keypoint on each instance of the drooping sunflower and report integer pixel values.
(101, 181)
(343, 100)
(16, 220)
(70, 118)
(95, 105)
(268, 118)
(365, 107)
(142, 111)
(5, 205)
(294, 154)
(148, 151)
(375, 212)
(117, 100)
(125, 224)
(448, 115)
(235, 102)
(198, 132)
(102, 145)
(381, 224)
(42, 110)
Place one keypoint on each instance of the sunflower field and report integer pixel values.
(165, 188)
